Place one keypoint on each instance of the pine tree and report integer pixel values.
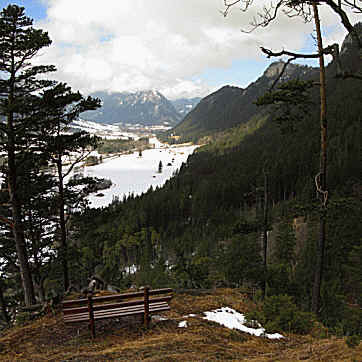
(160, 166)
(20, 114)
(308, 11)
(62, 106)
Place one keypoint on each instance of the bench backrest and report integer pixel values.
(71, 304)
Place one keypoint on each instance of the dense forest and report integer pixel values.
(207, 226)
(204, 227)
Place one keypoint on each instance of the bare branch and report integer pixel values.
(270, 54)
(340, 72)
(265, 18)
(228, 5)
(282, 72)
(82, 157)
(344, 19)
(331, 50)
(357, 9)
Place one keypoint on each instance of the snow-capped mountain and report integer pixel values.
(143, 107)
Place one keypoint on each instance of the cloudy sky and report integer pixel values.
(183, 48)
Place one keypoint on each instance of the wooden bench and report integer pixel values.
(91, 309)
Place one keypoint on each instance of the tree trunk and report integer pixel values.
(322, 180)
(36, 275)
(3, 305)
(63, 228)
(18, 233)
(265, 233)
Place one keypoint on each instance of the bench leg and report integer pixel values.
(91, 316)
(146, 307)
(92, 328)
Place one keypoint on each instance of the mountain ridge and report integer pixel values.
(148, 108)
(230, 106)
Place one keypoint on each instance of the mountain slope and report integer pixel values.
(230, 106)
(185, 105)
(143, 107)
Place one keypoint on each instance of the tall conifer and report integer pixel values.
(19, 113)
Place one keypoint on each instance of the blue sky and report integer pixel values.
(181, 48)
(34, 8)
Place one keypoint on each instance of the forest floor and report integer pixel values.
(49, 339)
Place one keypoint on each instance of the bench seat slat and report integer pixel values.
(120, 310)
(115, 313)
(127, 312)
(67, 311)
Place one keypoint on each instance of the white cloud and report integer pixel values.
(121, 45)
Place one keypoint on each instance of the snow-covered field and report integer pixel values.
(134, 174)
(105, 131)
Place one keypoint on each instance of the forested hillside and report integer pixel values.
(204, 227)
(231, 106)
(242, 212)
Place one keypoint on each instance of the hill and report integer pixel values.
(231, 106)
(48, 339)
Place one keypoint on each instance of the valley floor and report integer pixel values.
(48, 339)
(133, 174)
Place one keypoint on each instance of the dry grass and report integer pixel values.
(48, 339)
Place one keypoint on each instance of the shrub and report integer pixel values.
(23, 317)
(352, 321)
(279, 313)
(278, 279)
(353, 341)
(349, 322)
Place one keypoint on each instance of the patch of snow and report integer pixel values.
(132, 269)
(159, 318)
(232, 319)
(182, 324)
(154, 141)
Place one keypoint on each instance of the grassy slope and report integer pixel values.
(48, 339)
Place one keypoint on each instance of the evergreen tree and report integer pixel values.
(20, 114)
(160, 166)
(61, 107)
(309, 11)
